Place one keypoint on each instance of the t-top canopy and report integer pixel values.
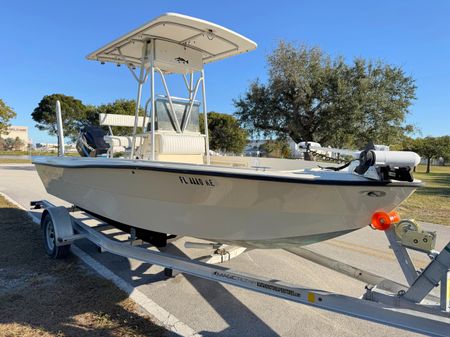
(211, 41)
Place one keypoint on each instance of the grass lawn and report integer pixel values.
(36, 153)
(44, 297)
(27, 153)
(430, 203)
(14, 161)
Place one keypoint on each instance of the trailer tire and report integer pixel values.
(49, 239)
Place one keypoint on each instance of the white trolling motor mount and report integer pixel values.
(388, 165)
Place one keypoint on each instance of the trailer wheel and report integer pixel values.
(49, 238)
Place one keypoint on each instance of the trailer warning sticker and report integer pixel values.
(185, 180)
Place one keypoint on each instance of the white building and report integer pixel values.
(21, 132)
(46, 146)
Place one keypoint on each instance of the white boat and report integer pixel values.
(170, 184)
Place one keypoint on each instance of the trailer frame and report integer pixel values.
(384, 301)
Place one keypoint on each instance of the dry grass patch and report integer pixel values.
(44, 297)
(430, 203)
(14, 161)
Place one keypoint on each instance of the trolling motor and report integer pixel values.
(389, 165)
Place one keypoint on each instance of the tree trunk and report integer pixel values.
(428, 164)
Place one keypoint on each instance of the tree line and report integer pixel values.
(427, 147)
(7, 143)
(225, 133)
(6, 114)
(308, 96)
(76, 114)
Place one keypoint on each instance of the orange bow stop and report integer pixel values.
(382, 220)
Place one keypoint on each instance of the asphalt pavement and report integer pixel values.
(213, 309)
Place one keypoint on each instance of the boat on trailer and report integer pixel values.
(168, 183)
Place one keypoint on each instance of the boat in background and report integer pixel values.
(168, 182)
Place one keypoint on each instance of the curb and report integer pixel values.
(165, 318)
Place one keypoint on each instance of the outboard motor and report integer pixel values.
(395, 165)
(90, 142)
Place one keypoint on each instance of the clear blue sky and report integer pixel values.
(44, 44)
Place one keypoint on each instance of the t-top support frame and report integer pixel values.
(147, 69)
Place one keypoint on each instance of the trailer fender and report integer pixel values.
(62, 223)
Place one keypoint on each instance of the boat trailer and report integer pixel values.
(385, 301)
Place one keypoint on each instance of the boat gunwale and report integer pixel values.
(238, 175)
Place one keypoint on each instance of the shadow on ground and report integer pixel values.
(241, 320)
(40, 296)
(439, 185)
(19, 167)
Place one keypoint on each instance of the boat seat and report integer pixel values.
(119, 143)
(180, 144)
(124, 141)
(119, 120)
(169, 146)
(175, 147)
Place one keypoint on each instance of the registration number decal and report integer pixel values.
(196, 181)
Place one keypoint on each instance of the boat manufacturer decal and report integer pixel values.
(182, 60)
(259, 284)
(234, 277)
(376, 194)
(185, 180)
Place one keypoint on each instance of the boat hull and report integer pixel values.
(242, 210)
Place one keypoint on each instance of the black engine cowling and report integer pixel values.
(90, 142)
